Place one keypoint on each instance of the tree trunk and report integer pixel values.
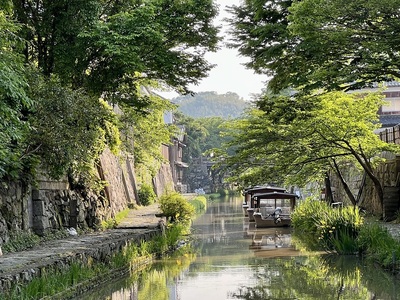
(344, 183)
(328, 189)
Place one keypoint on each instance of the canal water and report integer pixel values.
(234, 260)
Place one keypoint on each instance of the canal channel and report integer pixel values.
(232, 259)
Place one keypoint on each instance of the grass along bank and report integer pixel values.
(82, 275)
(319, 227)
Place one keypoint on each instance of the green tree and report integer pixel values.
(324, 44)
(259, 30)
(103, 45)
(89, 50)
(70, 129)
(14, 101)
(211, 104)
(298, 145)
(144, 131)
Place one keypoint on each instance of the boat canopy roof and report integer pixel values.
(275, 195)
(264, 189)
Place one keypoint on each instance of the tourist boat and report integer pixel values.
(249, 205)
(274, 209)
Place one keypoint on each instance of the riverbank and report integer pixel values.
(21, 267)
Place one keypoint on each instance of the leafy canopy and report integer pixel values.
(58, 58)
(319, 44)
(299, 145)
(14, 100)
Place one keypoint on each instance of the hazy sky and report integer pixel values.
(229, 75)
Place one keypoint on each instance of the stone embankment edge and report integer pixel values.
(90, 284)
(100, 252)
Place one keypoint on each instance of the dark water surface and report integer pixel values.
(234, 260)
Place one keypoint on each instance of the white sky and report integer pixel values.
(229, 75)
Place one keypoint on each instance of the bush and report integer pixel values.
(146, 195)
(176, 208)
(199, 203)
(222, 191)
(214, 196)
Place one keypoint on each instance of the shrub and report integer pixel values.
(176, 208)
(214, 196)
(222, 191)
(146, 195)
(199, 203)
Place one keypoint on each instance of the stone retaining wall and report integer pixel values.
(53, 205)
(387, 172)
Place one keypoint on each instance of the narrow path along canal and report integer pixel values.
(235, 260)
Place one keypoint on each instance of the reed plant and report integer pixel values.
(377, 244)
(170, 240)
(52, 282)
(317, 226)
(325, 228)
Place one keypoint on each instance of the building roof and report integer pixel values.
(389, 120)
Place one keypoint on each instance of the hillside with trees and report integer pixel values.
(211, 104)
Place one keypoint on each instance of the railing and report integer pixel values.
(391, 135)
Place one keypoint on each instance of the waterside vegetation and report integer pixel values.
(80, 275)
(319, 227)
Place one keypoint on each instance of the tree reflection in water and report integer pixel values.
(318, 277)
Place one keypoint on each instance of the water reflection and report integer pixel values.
(235, 260)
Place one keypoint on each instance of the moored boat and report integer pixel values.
(274, 209)
(249, 203)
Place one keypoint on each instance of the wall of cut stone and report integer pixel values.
(52, 205)
(163, 181)
(388, 173)
(14, 201)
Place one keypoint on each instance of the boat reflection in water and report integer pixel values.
(271, 242)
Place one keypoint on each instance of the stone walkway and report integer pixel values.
(140, 224)
(393, 229)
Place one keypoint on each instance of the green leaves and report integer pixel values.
(145, 131)
(295, 139)
(321, 44)
(13, 101)
(70, 129)
(162, 40)
(80, 51)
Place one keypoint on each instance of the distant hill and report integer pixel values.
(211, 104)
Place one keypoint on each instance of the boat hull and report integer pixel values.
(250, 214)
(270, 221)
(245, 207)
